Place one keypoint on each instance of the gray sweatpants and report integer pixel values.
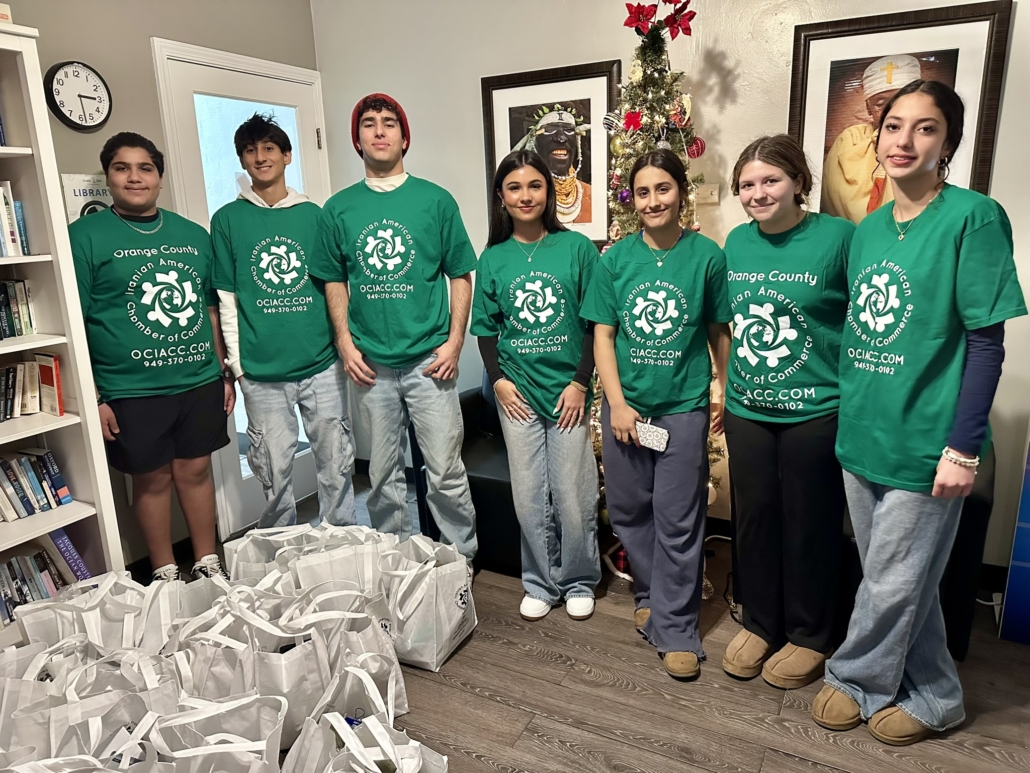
(657, 503)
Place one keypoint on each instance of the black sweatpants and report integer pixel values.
(788, 491)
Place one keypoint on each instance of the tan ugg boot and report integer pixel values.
(682, 665)
(640, 618)
(893, 726)
(834, 710)
(745, 655)
(793, 667)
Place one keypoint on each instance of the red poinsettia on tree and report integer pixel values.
(641, 18)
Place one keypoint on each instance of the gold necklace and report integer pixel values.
(529, 255)
(658, 257)
(565, 190)
(901, 234)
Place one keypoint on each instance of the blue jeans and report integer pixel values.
(554, 484)
(401, 395)
(272, 428)
(896, 651)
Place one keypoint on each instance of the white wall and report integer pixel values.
(431, 56)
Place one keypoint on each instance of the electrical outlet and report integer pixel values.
(707, 193)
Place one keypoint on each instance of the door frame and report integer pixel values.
(165, 50)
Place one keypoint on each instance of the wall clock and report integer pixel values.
(77, 95)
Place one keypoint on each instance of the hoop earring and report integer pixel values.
(944, 166)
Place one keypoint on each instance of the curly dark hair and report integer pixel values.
(261, 128)
(131, 140)
(378, 105)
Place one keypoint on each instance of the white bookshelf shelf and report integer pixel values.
(26, 259)
(37, 423)
(24, 529)
(21, 343)
(7, 151)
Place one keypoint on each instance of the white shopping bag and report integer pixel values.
(373, 747)
(355, 695)
(429, 599)
(152, 678)
(229, 736)
(209, 669)
(314, 750)
(76, 764)
(357, 562)
(254, 553)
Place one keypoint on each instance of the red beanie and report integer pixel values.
(393, 105)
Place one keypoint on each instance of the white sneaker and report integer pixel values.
(533, 609)
(167, 573)
(579, 607)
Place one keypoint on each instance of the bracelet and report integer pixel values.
(578, 386)
(100, 401)
(961, 461)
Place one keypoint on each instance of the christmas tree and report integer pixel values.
(653, 112)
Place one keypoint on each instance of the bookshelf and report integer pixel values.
(29, 162)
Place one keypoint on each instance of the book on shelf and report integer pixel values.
(13, 489)
(49, 585)
(21, 294)
(30, 389)
(29, 483)
(52, 473)
(51, 398)
(65, 550)
(10, 378)
(19, 388)
(6, 315)
(10, 225)
(23, 231)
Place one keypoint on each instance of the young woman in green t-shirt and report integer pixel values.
(659, 299)
(932, 280)
(539, 357)
(786, 272)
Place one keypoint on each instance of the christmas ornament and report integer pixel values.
(612, 122)
(625, 196)
(697, 148)
(640, 17)
(685, 99)
(616, 181)
(636, 72)
(696, 227)
(663, 145)
(615, 232)
(618, 145)
(632, 121)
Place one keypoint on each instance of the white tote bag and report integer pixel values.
(314, 750)
(235, 736)
(373, 747)
(430, 602)
(357, 562)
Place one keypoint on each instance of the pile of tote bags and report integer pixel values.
(299, 653)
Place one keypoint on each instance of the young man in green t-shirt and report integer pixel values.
(277, 330)
(156, 347)
(390, 243)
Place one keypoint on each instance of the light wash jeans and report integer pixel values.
(272, 428)
(554, 484)
(896, 651)
(400, 395)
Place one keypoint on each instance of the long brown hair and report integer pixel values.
(501, 227)
(781, 151)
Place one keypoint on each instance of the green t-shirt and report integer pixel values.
(261, 254)
(904, 346)
(660, 316)
(395, 249)
(533, 309)
(789, 297)
(144, 300)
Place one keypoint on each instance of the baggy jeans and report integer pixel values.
(385, 408)
(273, 431)
(657, 503)
(896, 651)
(554, 485)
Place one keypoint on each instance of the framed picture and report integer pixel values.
(558, 113)
(846, 71)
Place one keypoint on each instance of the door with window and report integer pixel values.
(205, 95)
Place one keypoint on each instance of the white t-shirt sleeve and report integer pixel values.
(230, 330)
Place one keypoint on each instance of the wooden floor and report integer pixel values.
(592, 696)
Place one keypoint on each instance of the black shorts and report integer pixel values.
(155, 430)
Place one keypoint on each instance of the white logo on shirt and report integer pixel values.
(280, 265)
(536, 302)
(170, 299)
(655, 312)
(877, 301)
(762, 335)
(385, 250)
